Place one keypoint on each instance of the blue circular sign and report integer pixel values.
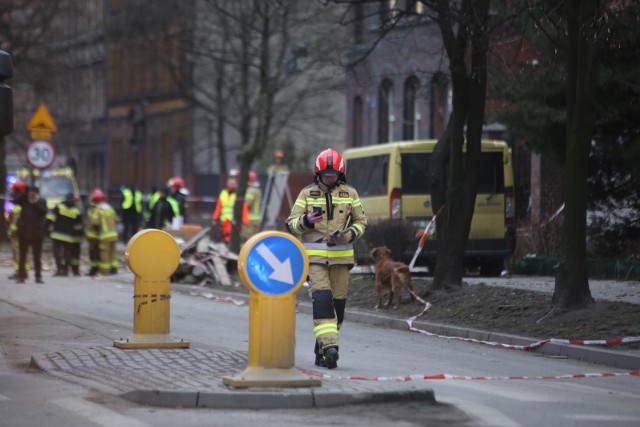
(273, 263)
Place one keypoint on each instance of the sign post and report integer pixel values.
(41, 125)
(273, 266)
(40, 154)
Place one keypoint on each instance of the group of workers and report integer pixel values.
(30, 223)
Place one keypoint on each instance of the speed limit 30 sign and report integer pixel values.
(40, 154)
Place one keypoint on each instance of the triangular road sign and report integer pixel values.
(42, 121)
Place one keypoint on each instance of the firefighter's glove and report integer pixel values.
(341, 237)
(311, 219)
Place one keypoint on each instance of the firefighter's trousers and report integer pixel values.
(328, 288)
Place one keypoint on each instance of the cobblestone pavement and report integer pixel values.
(193, 378)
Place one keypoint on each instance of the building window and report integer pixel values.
(385, 112)
(388, 11)
(356, 136)
(439, 105)
(415, 7)
(411, 115)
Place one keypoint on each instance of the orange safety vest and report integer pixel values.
(224, 208)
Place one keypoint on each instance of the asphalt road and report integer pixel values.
(68, 313)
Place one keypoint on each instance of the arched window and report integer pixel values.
(356, 120)
(385, 112)
(439, 105)
(410, 114)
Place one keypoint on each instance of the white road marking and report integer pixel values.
(3, 398)
(97, 414)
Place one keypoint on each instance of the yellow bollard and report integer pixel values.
(272, 265)
(153, 256)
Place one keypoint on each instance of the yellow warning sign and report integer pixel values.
(42, 121)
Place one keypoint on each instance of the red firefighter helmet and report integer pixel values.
(253, 177)
(97, 196)
(278, 154)
(19, 187)
(329, 161)
(176, 183)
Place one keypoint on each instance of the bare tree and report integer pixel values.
(259, 68)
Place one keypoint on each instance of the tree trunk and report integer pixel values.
(469, 92)
(572, 283)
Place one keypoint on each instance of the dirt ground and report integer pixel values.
(500, 309)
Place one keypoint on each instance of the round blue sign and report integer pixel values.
(273, 263)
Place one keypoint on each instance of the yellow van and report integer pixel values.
(54, 184)
(392, 181)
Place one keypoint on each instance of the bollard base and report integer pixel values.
(151, 341)
(271, 377)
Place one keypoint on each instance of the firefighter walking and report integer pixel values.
(65, 221)
(102, 235)
(328, 217)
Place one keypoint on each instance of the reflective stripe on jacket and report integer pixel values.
(342, 210)
(102, 221)
(67, 223)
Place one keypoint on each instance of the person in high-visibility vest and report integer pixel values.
(131, 212)
(163, 210)
(223, 213)
(66, 223)
(18, 188)
(328, 217)
(102, 222)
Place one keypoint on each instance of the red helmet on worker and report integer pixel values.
(278, 154)
(176, 183)
(19, 187)
(329, 162)
(97, 196)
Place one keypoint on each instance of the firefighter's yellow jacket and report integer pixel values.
(342, 211)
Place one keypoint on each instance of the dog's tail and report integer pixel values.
(402, 272)
(404, 276)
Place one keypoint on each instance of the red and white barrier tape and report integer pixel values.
(527, 347)
(464, 377)
(425, 234)
(213, 297)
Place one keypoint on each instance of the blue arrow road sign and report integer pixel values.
(275, 265)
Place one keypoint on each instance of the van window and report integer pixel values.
(415, 173)
(369, 175)
(491, 174)
(55, 186)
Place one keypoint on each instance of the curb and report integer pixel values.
(275, 398)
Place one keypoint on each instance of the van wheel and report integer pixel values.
(491, 267)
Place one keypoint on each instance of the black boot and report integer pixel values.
(329, 359)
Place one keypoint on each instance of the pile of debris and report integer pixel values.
(202, 261)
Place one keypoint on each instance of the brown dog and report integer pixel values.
(391, 276)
